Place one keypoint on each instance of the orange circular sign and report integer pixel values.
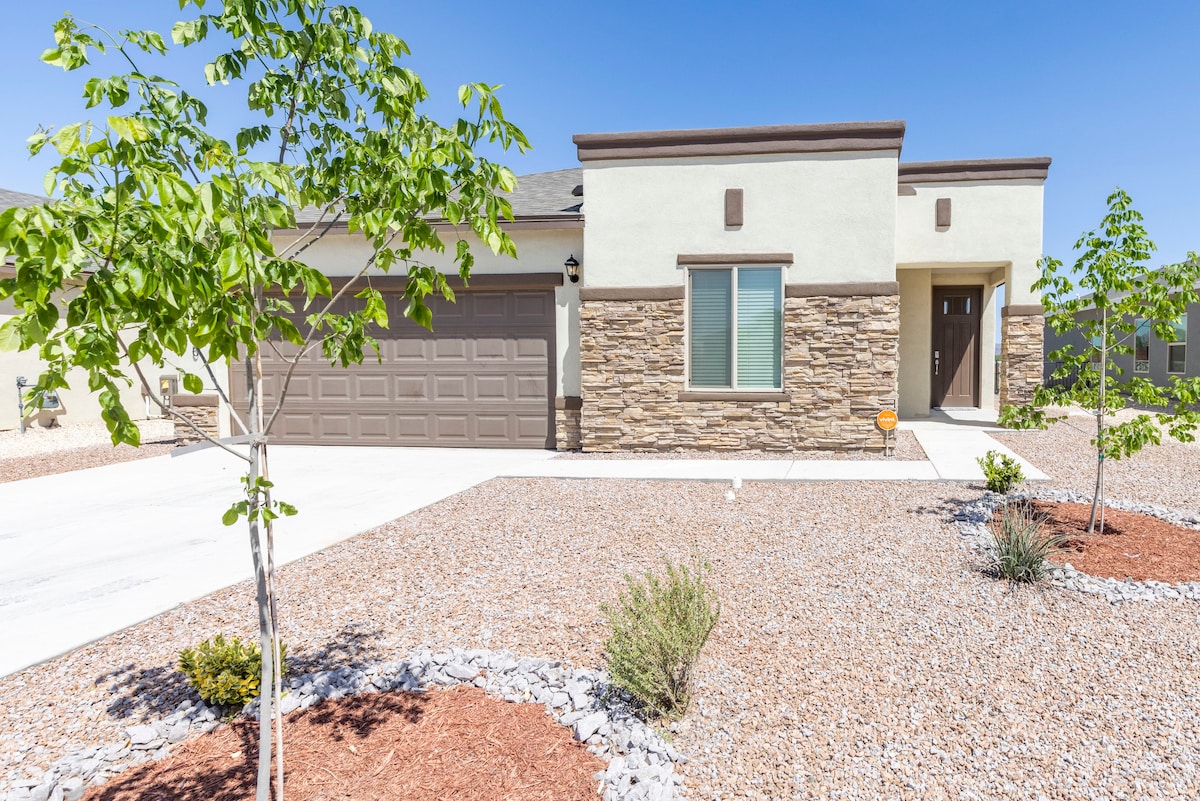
(886, 420)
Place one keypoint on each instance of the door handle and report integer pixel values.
(937, 361)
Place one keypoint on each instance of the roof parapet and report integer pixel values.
(750, 141)
(928, 172)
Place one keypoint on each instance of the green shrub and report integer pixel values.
(1021, 548)
(226, 673)
(1002, 472)
(658, 628)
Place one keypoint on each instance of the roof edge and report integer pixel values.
(922, 172)
(748, 141)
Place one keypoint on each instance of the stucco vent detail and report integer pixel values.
(733, 208)
(941, 212)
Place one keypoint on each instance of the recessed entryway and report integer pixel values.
(954, 367)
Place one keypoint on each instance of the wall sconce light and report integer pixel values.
(572, 267)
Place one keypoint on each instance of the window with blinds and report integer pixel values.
(736, 328)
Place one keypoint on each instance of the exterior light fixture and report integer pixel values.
(572, 267)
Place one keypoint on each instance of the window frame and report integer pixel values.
(1142, 326)
(1180, 327)
(733, 387)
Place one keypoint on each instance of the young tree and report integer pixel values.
(1122, 291)
(161, 227)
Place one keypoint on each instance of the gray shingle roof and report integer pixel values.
(547, 193)
(9, 199)
(540, 194)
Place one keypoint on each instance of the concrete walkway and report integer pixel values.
(952, 441)
(85, 554)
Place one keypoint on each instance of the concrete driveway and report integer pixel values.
(85, 554)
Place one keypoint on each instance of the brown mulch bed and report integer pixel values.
(1133, 545)
(457, 743)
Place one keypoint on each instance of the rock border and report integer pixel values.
(641, 765)
(973, 519)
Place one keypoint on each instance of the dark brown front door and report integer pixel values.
(955, 367)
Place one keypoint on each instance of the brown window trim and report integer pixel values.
(842, 290)
(703, 259)
(734, 395)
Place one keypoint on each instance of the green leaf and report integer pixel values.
(192, 383)
(10, 336)
(231, 516)
(130, 129)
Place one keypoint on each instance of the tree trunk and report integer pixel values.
(1098, 494)
(266, 632)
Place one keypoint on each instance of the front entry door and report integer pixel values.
(955, 364)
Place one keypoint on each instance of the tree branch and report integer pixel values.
(171, 411)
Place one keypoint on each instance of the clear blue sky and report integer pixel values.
(1110, 90)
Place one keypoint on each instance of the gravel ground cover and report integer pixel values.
(905, 448)
(860, 653)
(48, 451)
(1165, 475)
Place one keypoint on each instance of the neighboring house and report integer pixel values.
(77, 404)
(1152, 357)
(766, 288)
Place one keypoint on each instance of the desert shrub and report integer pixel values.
(1001, 471)
(1021, 547)
(225, 672)
(658, 627)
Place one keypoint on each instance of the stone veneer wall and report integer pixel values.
(567, 434)
(840, 368)
(202, 411)
(1020, 357)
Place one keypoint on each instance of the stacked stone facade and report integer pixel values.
(840, 369)
(201, 410)
(1020, 357)
(567, 432)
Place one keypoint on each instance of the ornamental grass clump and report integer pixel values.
(1021, 547)
(1002, 472)
(226, 672)
(658, 628)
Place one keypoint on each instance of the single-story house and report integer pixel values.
(768, 288)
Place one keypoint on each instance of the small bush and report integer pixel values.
(658, 628)
(226, 673)
(1002, 472)
(1021, 548)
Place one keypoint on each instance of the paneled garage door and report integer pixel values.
(482, 378)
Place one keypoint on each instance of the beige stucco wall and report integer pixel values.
(834, 212)
(993, 224)
(916, 334)
(538, 251)
(79, 405)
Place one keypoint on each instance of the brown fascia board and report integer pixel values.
(751, 141)
(928, 172)
(531, 222)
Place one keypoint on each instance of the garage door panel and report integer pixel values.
(450, 388)
(372, 387)
(483, 377)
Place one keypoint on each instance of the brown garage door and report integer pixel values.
(481, 378)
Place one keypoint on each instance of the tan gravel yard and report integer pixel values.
(860, 654)
(49, 451)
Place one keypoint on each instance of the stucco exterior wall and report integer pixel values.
(835, 212)
(992, 224)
